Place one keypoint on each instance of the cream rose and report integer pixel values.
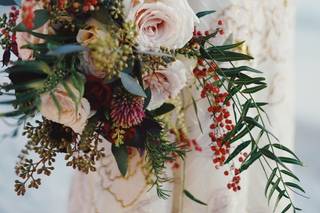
(162, 23)
(166, 83)
(86, 36)
(71, 115)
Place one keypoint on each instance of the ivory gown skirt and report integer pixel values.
(267, 27)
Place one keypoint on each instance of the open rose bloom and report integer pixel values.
(68, 113)
(162, 23)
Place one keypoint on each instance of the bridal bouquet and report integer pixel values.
(87, 71)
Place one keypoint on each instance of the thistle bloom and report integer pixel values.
(126, 110)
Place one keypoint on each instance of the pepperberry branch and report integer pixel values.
(265, 153)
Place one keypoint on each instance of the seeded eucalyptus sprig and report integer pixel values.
(48, 139)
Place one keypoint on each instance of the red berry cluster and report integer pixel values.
(28, 13)
(8, 37)
(202, 71)
(62, 4)
(197, 33)
(221, 123)
(184, 141)
(234, 183)
(7, 25)
(89, 5)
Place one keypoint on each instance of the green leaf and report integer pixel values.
(282, 147)
(270, 179)
(195, 106)
(205, 13)
(148, 98)
(243, 133)
(191, 197)
(254, 122)
(66, 49)
(290, 184)
(281, 194)
(290, 174)
(53, 38)
(121, 155)
(39, 67)
(56, 102)
(254, 89)
(286, 208)
(230, 72)
(232, 92)
(239, 149)
(274, 186)
(290, 161)
(224, 47)
(163, 109)
(255, 155)
(78, 82)
(225, 56)
(244, 79)
(40, 18)
(132, 85)
(11, 114)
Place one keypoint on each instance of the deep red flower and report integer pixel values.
(98, 93)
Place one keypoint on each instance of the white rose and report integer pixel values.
(162, 23)
(71, 115)
(166, 83)
(88, 35)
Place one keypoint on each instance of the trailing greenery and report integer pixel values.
(159, 152)
(240, 85)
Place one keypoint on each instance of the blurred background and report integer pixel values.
(53, 194)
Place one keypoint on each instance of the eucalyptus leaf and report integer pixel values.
(67, 49)
(163, 109)
(132, 85)
(148, 98)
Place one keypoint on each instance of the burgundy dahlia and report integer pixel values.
(127, 110)
(98, 93)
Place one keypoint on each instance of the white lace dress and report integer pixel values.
(267, 26)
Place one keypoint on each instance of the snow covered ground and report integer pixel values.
(52, 196)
